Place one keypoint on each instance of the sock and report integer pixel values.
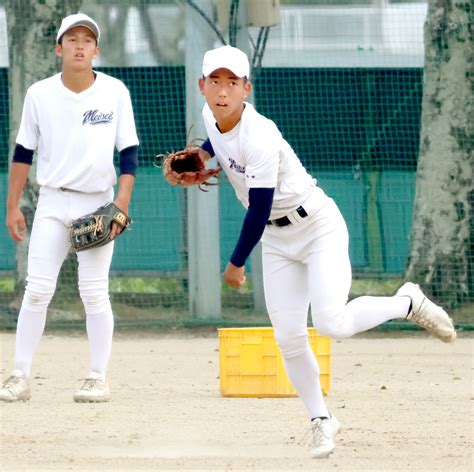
(303, 371)
(100, 329)
(368, 312)
(29, 330)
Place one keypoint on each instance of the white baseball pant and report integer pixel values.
(48, 248)
(307, 264)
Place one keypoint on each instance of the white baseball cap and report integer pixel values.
(226, 57)
(78, 19)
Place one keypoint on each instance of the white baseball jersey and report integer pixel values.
(254, 154)
(75, 133)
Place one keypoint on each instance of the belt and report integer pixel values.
(285, 221)
(64, 189)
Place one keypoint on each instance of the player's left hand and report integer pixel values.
(94, 229)
(234, 276)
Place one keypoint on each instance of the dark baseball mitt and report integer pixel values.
(93, 230)
(188, 167)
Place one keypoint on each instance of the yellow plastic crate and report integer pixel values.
(251, 364)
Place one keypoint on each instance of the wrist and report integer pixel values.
(12, 204)
(123, 201)
(123, 198)
(236, 264)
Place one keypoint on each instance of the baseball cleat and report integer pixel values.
(426, 314)
(16, 388)
(93, 390)
(324, 431)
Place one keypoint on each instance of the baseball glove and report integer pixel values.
(93, 230)
(188, 167)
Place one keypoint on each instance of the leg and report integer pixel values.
(93, 272)
(329, 274)
(47, 250)
(94, 266)
(286, 294)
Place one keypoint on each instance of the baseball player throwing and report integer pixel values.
(304, 239)
(73, 120)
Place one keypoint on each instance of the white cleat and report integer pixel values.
(16, 388)
(93, 390)
(324, 431)
(428, 315)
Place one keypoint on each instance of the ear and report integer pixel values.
(201, 85)
(96, 53)
(247, 88)
(58, 49)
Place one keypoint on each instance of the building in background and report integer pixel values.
(388, 34)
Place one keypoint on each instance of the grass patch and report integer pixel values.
(162, 285)
(385, 287)
(7, 285)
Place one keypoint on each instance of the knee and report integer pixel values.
(334, 328)
(332, 319)
(95, 301)
(329, 331)
(37, 297)
(291, 344)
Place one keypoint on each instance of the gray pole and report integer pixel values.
(202, 207)
(243, 43)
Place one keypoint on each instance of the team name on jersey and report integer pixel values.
(237, 167)
(96, 117)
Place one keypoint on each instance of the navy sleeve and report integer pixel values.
(129, 160)
(207, 146)
(258, 212)
(23, 155)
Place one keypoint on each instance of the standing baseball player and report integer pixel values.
(73, 120)
(304, 239)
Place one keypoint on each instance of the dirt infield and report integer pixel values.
(405, 403)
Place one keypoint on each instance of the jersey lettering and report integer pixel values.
(96, 117)
(237, 167)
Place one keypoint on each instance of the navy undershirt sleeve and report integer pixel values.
(129, 160)
(207, 146)
(23, 155)
(258, 212)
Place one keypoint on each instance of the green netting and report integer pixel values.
(339, 147)
(343, 80)
(356, 119)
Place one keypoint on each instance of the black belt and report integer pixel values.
(64, 189)
(285, 221)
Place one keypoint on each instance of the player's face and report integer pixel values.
(78, 48)
(225, 93)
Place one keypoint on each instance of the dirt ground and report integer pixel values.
(405, 403)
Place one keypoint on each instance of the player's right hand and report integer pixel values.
(16, 224)
(234, 276)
